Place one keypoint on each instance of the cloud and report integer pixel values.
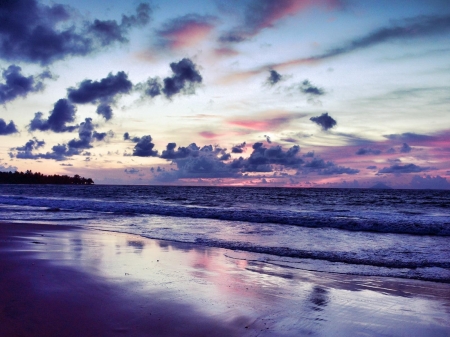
(429, 182)
(7, 129)
(261, 14)
(238, 148)
(105, 110)
(126, 136)
(371, 167)
(420, 26)
(274, 77)
(152, 87)
(86, 133)
(367, 151)
(409, 137)
(408, 168)
(63, 112)
(307, 88)
(181, 152)
(325, 121)
(37, 33)
(337, 170)
(144, 147)
(17, 85)
(131, 171)
(104, 92)
(185, 79)
(405, 148)
(185, 31)
(327, 167)
(32, 144)
(4, 168)
(272, 120)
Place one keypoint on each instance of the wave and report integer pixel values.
(382, 222)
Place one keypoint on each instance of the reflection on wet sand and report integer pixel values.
(191, 289)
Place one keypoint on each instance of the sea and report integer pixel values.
(386, 233)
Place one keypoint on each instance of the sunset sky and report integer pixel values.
(325, 93)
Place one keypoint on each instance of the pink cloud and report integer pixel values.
(268, 121)
(209, 134)
(186, 31)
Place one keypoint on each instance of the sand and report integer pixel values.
(68, 281)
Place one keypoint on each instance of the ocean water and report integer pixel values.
(395, 233)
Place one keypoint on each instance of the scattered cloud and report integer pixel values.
(325, 121)
(408, 168)
(367, 151)
(7, 129)
(105, 92)
(185, 79)
(185, 31)
(261, 14)
(307, 88)
(131, 171)
(405, 148)
(63, 112)
(429, 182)
(144, 147)
(268, 121)
(273, 78)
(37, 33)
(4, 168)
(16, 85)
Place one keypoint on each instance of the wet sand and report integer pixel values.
(68, 281)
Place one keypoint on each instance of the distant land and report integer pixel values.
(38, 178)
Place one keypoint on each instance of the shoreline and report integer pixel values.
(67, 280)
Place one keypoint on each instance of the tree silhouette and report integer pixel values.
(38, 178)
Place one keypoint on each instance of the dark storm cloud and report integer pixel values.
(37, 33)
(408, 168)
(405, 148)
(274, 77)
(307, 88)
(144, 147)
(16, 85)
(325, 121)
(105, 111)
(7, 129)
(367, 151)
(409, 137)
(63, 112)
(104, 90)
(309, 154)
(185, 79)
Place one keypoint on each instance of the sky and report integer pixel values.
(294, 93)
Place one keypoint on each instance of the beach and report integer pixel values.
(67, 280)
